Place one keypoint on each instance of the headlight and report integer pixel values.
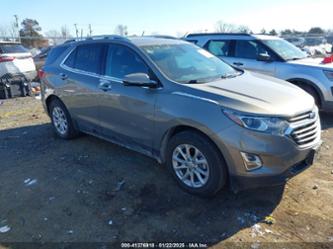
(271, 125)
(329, 74)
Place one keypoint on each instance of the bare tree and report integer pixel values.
(223, 27)
(121, 30)
(13, 30)
(65, 33)
(3, 31)
(53, 34)
(244, 29)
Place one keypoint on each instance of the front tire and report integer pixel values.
(61, 120)
(196, 163)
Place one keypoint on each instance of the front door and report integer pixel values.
(126, 112)
(246, 54)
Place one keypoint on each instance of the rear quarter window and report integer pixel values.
(54, 54)
(12, 48)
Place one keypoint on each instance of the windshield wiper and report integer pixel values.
(230, 75)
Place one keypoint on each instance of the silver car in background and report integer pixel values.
(275, 57)
(210, 123)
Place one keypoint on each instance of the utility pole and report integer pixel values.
(17, 27)
(90, 30)
(76, 30)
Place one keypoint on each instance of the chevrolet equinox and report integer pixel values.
(210, 123)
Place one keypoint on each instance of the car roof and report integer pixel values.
(136, 40)
(152, 40)
(233, 36)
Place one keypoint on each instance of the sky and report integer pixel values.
(170, 17)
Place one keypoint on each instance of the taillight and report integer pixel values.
(6, 58)
(41, 74)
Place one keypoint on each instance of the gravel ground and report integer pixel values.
(89, 190)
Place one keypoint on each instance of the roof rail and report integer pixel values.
(161, 36)
(200, 34)
(98, 37)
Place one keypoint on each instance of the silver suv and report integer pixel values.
(275, 57)
(210, 123)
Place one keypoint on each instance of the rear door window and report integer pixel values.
(219, 47)
(12, 48)
(122, 60)
(88, 58)
(249, 49)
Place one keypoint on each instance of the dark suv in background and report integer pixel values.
(209, 122)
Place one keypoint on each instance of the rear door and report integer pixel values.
(245, 55)
(126, 112)
(80, 84)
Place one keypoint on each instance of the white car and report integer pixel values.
(16, 62)
(275, 57)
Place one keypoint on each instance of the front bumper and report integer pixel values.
(281, 157)
(247, 182)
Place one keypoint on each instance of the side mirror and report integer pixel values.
(139, 79)
(264, 57)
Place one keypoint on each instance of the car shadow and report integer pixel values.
(87, 189)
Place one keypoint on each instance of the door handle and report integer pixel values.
(63, 76)
(238, 64)
(105, 85)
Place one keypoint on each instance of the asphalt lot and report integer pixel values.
(89, 190)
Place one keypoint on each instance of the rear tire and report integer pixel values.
(201, 171)
(61, 120)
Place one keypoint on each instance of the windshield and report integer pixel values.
(187, 63)
(285, 49)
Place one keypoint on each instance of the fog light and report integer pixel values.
(251, 161)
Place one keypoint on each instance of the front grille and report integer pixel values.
(305, 128)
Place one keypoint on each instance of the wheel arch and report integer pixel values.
(299, 81)
(178, 129)
(48, 101)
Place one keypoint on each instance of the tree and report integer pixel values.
(3, 31)
(30, 32)
(65, 33)
(121, 30)
(223, 27)
(244, 29)
(286, 32)
(263, 31)
(273, 32)
(316, 30)
(53, 34)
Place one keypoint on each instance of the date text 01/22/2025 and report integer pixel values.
(163, 245)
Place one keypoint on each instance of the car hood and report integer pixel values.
(313, 62)
(258, 94)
